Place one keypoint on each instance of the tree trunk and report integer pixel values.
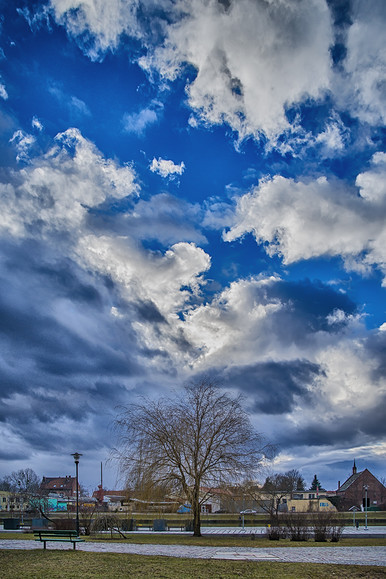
(196, 508)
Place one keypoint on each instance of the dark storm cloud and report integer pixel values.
(273, 386)
(52, 369)
(353, 430)
(376, 348)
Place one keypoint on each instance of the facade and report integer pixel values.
(357, 487)
(61, 486)
(12, 502)
(299, 505)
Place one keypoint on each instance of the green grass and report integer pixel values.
(69, 564)
(215, 541)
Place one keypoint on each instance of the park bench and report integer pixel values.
(181, 527)
(139, 526)
(64, 536)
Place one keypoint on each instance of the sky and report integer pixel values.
(193, 188)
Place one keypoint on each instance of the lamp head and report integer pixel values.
(76, 456)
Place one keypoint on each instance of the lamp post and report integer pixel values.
(21, 500)
(366, 489)
(77, 456)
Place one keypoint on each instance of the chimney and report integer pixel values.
(338, 484)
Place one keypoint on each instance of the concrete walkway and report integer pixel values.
(331, 555)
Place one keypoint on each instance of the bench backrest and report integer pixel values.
(55, 533)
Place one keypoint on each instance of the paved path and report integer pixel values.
(334, 555)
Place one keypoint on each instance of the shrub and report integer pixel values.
(297, 526)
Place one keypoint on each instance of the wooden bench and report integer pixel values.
(63, 536)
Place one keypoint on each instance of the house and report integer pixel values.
(313, 504)
(5, 500)
(358, 487)
(13, 502)
(61, 486)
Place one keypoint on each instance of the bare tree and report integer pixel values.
(200, 438)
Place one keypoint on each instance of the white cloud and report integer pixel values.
(149, 276)
(96, 20)
(51, 198)
(23, 143)
(362, 88)
(55, 190)
(37, 124)
(300, 220)
(3, 92)
(139, 122)
(252, 60)
(165, 168)
(333, 138)
(235, 327)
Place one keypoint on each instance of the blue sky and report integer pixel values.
(193, 188)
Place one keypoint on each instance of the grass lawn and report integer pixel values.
(214, 541)
(70, 564)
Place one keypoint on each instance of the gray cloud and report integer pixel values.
(273, 387)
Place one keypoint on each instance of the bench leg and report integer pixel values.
(44, 543)
(74, 546)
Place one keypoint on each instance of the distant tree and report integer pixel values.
(5, 485)
(24, 484)
(201, 438)
(295, 481)
(24, 481)
(315, 485)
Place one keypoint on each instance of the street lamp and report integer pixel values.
(366, 489)
(77, 456)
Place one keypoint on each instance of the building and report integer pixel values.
(61, 486)
(12, 502)
(357, 487)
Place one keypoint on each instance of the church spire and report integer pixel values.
(354, 468)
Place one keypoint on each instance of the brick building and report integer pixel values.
(353, 491)
(63, 486)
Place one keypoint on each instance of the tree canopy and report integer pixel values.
(315, 485)
(200, 438)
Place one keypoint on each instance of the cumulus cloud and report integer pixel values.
(54, 192)
(55, 197)
(362, 88)
(321, 218)
(23, 143)
(253, 60)
(260, 319)
(166, 168)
